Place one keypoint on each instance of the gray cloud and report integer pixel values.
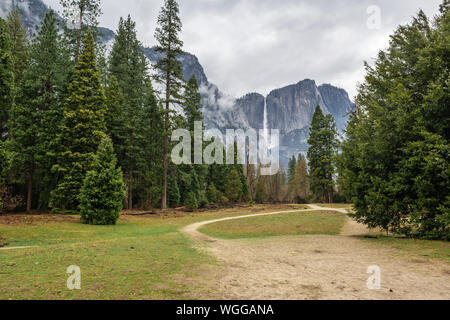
(259, 45)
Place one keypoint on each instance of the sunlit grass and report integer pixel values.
(301, 223)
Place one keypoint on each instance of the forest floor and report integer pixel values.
(274, 252)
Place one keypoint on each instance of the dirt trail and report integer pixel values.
(317, 267)
(16, 248)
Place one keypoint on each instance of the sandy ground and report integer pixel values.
(317, 267)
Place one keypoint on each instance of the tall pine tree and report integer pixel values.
(37, 112)
(81, 17)
(129, 126)
(19, 45)
(83, 126)
(170, 73)
(301, 180)
(321, 155)
(6, 78)
(196, 173)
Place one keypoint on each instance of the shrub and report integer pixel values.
(203, 202)
(223, 201)
(102, 193)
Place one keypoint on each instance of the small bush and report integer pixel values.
(203, 202)
(8, 202)
(223, 201)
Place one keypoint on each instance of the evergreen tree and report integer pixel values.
(37, 113)
(24, 157)
(321, 155)
(50, 64)
(19, 45)
(292, 191)
(81, 17)
(3, 162)
(192, 103)
(193, 113)
(218, 174)
(103, 188)
(212, 194)
(115, 115)
(82, 128)
(395, 160)
(170, 73)
(4, 171)
(291, 169)
(274, 186)
(301, 180)
(6, 78)
(191, 202)
(261, 190)
(26, 119)
(245, 196)
(233, 187)
(173, 190)
(127, 63)
(154, 145)
(188, 182)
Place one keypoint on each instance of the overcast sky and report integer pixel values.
(260, 45)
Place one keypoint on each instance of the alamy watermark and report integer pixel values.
(374, 20)
(74, 280)
(262, 149)
(374, 281)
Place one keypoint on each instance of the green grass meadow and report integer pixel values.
(147, 257)
(289, 224)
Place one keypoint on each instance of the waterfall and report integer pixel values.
(266, 122)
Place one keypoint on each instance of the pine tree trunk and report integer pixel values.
(330, 191)
(30, 188)
(78, 46)
(130, 196)
(166, 145)
(125, 200)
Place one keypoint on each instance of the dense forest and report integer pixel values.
(87, 131)
(63, 100)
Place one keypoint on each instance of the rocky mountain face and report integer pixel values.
(337, 103)
(191, 65)
(33, 11)
(289, 109)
